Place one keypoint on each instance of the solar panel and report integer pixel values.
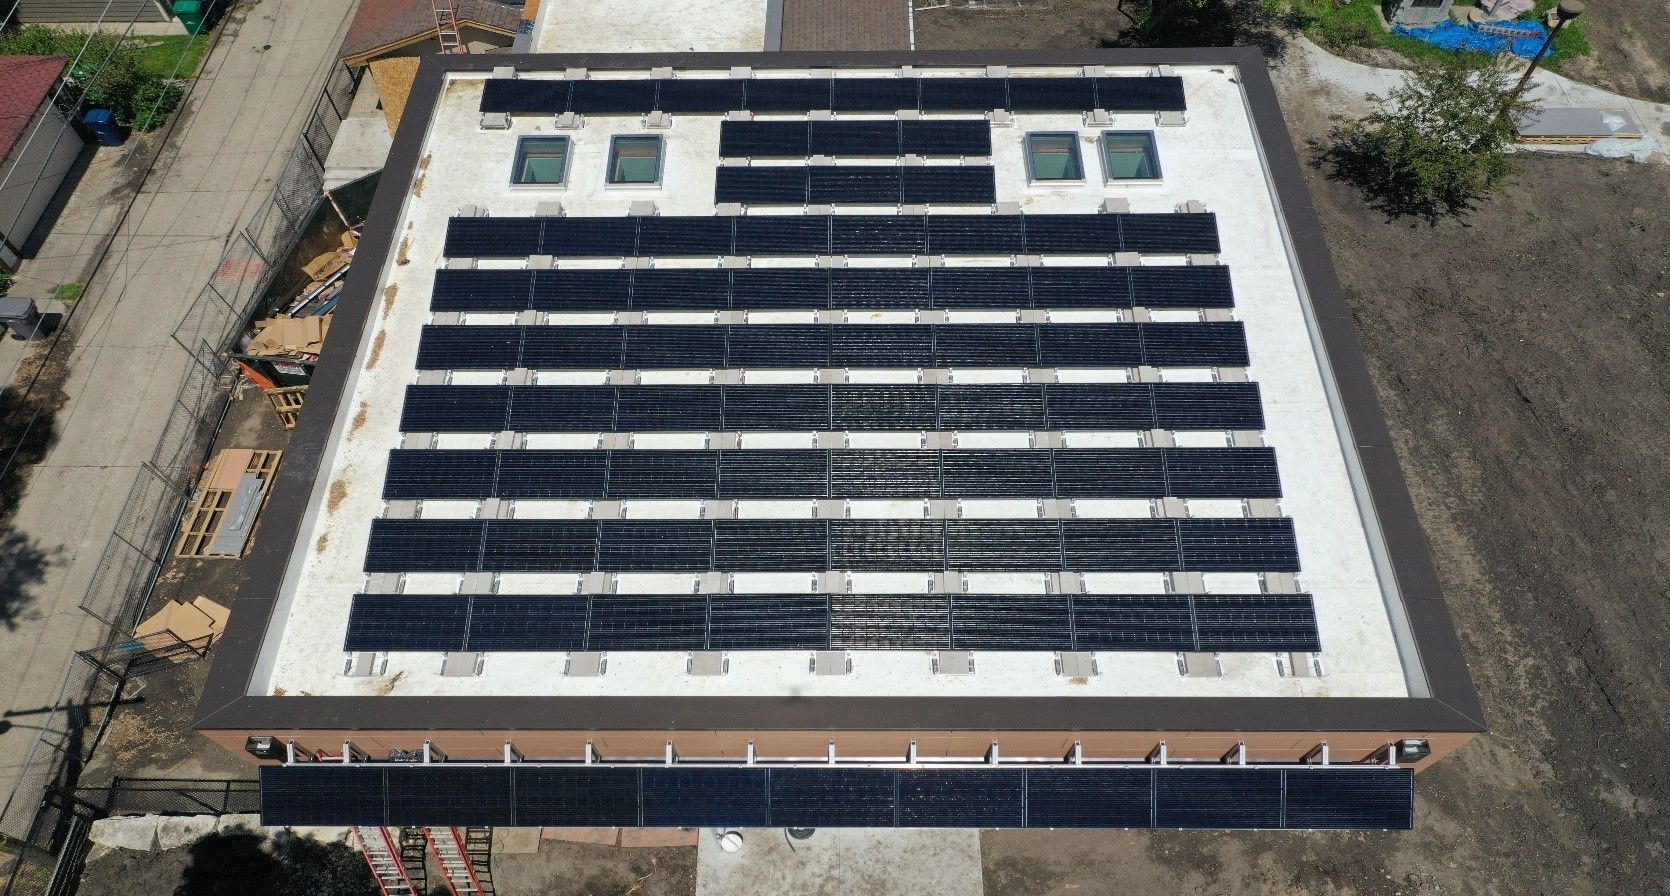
(542, 96)
(961, 798)
(661, 474)
(978, 287)
(873, 94)
(407, 622)
(767, 546)
(1211, 344)
(689, 235)
(1003, 544)
(322, 794)
(884, 474)
(761, 185)
(1101, 406)
(1207, 406)
(1004, 474)
(936, 137)
(1133, 622)
(1249, 544)
(974, 235)
(586, 348)
(875, 139)
(1222, 473)
(1349, 799)
(1082, 287)
(772, 474)
(853, 184)
(562, 409)
(585, 237)
(492, 237)
(1093, 345)
(423, 546)
(889, 544)
(647, 623)
(469, 348)
(883, 407)
(655, 546)
(1072, 234)
(782, 235)
(526, 623)
(709, 797)
(1089, 798)
(832, 798)
(788, 94)
(699, 94)
(963, 94)
(763, 139)
(1040, 94)
(858, 288)
(581, 290)
(768, 622)
(671, 289)
(878, 235)
(481, 290)
(1218, 798)
(674, 347)
(1174, 233)
(440, 474)
(536, 545)
(1120, 545)
(598, 795)
(450, 795)
(1010, 622)
(777, 346)
(1178, 286)
(552, 474)
(594, 796)
(1150, 94)
(949, 185)
(612, 97)
(1256, 622)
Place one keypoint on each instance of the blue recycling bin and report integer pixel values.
(101, 123)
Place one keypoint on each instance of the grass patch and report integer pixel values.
(69, 292)
(172, 55)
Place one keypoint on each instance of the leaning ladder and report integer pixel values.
(455, 862)
(446, 27)
(380, 853)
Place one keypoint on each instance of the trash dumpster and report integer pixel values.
(190, 13)
(101, 123)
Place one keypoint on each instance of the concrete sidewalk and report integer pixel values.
(251, 100)
(1348, 83)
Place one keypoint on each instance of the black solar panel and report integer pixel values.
(1038, 94)
(874, 94)
(470, 347)
(949, 185)
(1153, 94)
(700, 94)
(772, 474)
(782, 235)
(1222, 473)
(1086, 287)
(481, 290)
(761, 185)
(1003, 544)
(536, 545)
(585, 348)
(675, 289)
(1000, 622)
(1121, 545)
(423, 546)
(978, 287)
(543, 96)
(667, 235)
(587, 237)
(492, 237)
(1105, 406)
(1224, 544)
(581, 290)
(533, 794)
(612, 97)
(873, 139)
(859, 288)
(440, 474)
(974, 235)
(1218, 798)
(878, 235)
(963, 94)
(1072, 234)
(788, 94)
(1177, 286)
(763, 139)
(552, 474)
(937, 137)
(1212, 344)
(853, 184)
(1207, 406)
(1173, 233)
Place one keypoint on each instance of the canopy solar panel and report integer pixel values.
(1092, 545)
(1022, 93)
(507, 347)
(1173, 233)
(1114, 406)
(1088, 796)
(764, 289)
(552, 623)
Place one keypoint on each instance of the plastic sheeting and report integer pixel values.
(1454, 37)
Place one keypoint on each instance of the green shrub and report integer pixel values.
(5, 281)
(153, 102)
(1342, 33)
(110, 73)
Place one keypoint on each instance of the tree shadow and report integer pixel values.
(241, 862)
(1355, 159)
(1206, 23)
(23, 567)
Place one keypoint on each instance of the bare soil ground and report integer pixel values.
(589, 869)
(1523, 357)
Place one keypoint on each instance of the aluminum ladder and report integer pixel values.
(446, 27)
(381, 853)
(455, 861)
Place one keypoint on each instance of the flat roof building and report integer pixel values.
(842, 439)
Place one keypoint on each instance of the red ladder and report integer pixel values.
(446, 27)
(448, 846)
(377, 844)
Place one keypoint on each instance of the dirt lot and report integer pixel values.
(1523, 358)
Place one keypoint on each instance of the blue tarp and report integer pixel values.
(1452, 36)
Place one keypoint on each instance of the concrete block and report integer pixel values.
(325, 834)
(1116, 206)
(175, 831)
(515, 841)
(138, 832)
(250, 822)
(1127, 259)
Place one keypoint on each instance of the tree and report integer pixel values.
(1437, 143)
(1203, 23)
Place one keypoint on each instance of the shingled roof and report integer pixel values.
(25, 83)
(381, 26)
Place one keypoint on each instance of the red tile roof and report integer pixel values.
(25, 83)
(390, 24)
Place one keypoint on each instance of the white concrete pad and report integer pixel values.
(174, 831)
(836, 862)
(126, 832)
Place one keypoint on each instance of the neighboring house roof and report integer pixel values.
(380, 26)
(25, 83)
(394, 78)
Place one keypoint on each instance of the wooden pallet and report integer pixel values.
(287, 403)
(207, 513)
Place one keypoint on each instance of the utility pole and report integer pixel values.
(1565, 12)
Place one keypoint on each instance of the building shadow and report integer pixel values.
(60, 199)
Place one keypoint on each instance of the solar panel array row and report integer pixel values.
(525, 795)
(1167, 622)
(856, 185)
(530, 474)
(794, 94)
(1104, 545)
(931, 138)
(778, 289)
(781, 235)
(479, 347)
(835, 408)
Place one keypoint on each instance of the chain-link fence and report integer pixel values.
(38, 814)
